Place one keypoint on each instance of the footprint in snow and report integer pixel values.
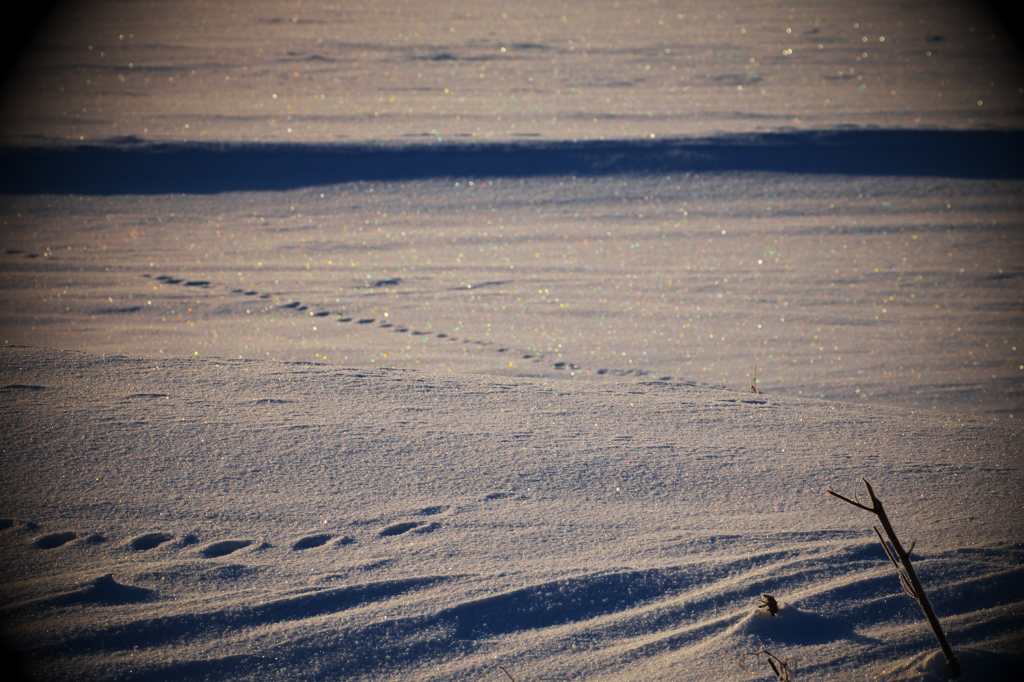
(434, 510)
(54, 540)
(223, 548)
(148, 541)
(341, 317)
(398, 528)
(311, 541)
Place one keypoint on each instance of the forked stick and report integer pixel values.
(908, 576)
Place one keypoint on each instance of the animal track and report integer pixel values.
(734, 401)
(398, 528)
(119, 311)
(19, 252)
(312, 541)
(623, 372)
(148, 541)
(297, 306)
(433, 511)
(223, 548)
(343, 318)
(54, 540)
(173, 542)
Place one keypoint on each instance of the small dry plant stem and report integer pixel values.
(507, 673)
(908, 576)
(778, 666)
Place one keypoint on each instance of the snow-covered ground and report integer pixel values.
(288, 520)
(463, 70)
(416, 341)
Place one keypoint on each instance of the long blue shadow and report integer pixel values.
(133, 167)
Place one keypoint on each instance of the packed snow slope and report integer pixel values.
(186, 519)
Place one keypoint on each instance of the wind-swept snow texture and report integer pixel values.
(168, 520)
(415, 340)
(870, 289)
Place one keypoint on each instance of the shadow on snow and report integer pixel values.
(131, 166)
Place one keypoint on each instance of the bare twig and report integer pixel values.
(780, 667)
(908, 587)
(908, 576)
(855, 501)
(507, 673)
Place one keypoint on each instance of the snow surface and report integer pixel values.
(416, 341)
(293, 520)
